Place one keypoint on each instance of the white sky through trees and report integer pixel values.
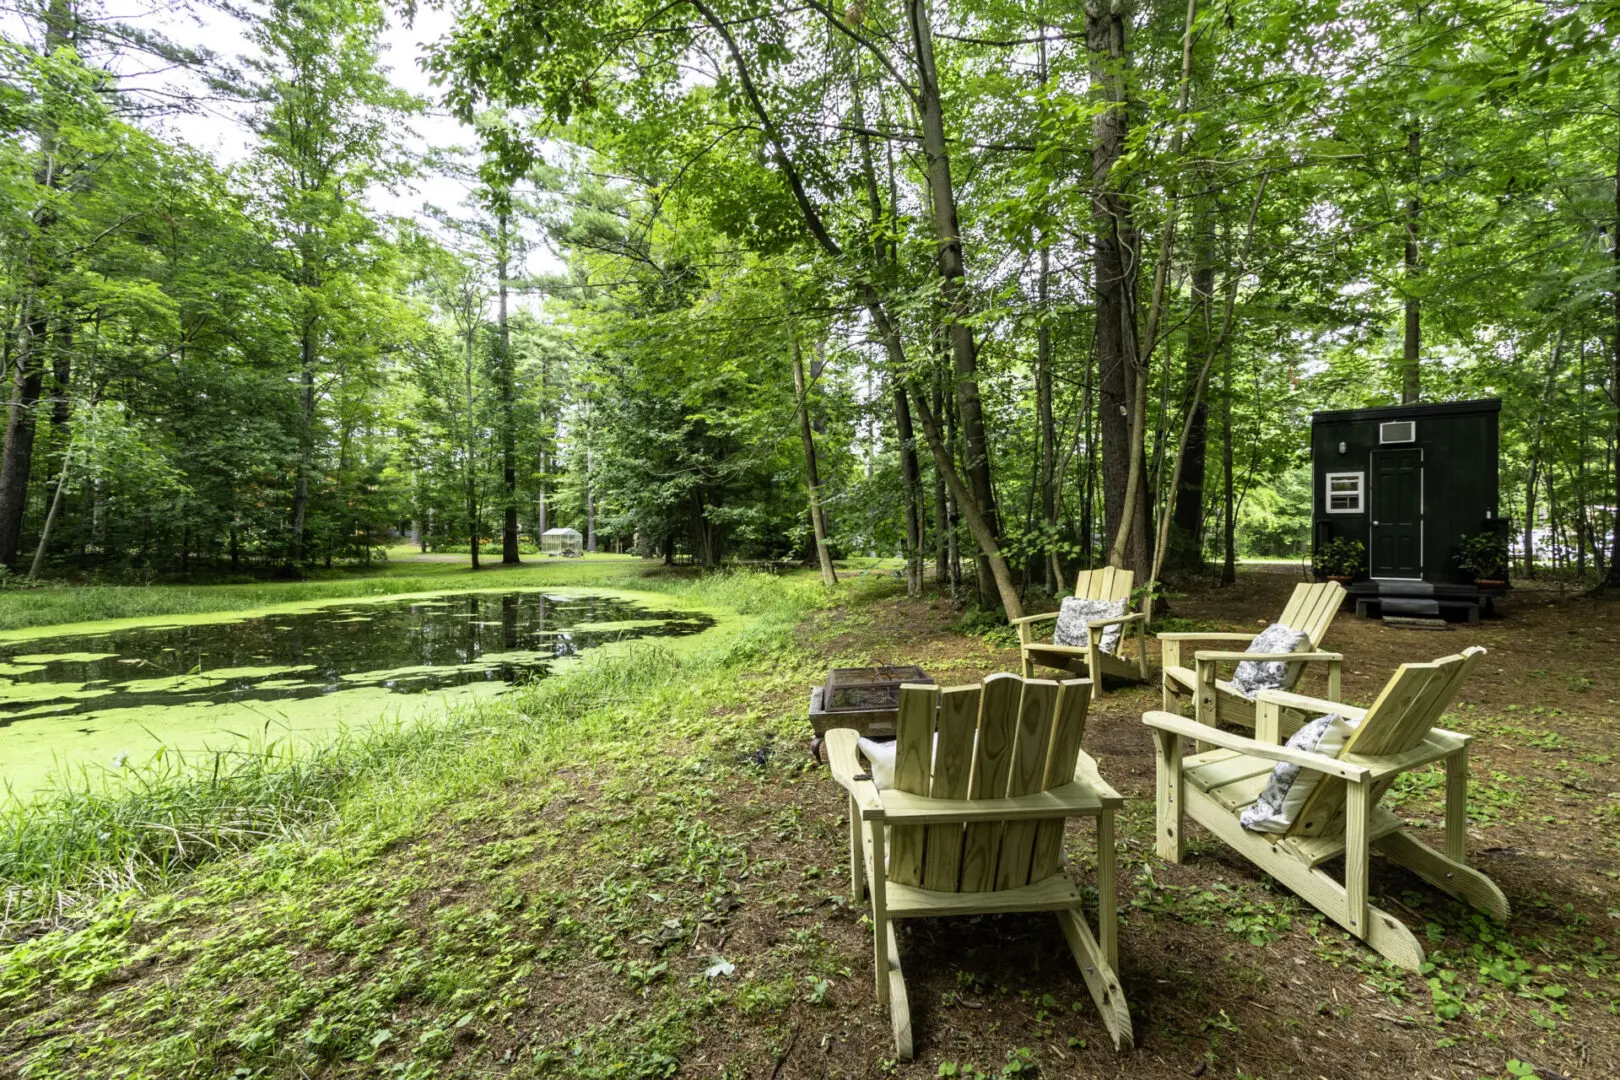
(218, 125)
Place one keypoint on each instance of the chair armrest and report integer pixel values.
(1076, 799)
(1218, 655)
(1194, 635)
(1033, 618)
(1382, 766)
(1118, 620)
(1303, 703)
(1086, 772)
(1192, 729)
(845, 763)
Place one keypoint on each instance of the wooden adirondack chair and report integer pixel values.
(1109, 583)
(1396, 734)
(984, 779)
(1310, 610)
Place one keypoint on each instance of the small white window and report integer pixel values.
(1397, 431)
(1345, 491)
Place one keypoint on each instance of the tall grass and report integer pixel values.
(116, 831)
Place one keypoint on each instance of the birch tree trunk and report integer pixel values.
(812, 477)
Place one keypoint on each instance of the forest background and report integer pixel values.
(1012, 287)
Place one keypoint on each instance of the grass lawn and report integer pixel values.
(639, 872)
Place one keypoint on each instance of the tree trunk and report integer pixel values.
(1234, 277)
(812, 477)
(1228, 522)
(1411, 374)
(953, 289)
(954, 521)
(943, 541)
(306, 437)
(1047, 423)
(509, 524)
(912, 488)
(16, 463)
(1611, 580)
(1187, 535)
(590, 503)
(17, 455)
(1045, 419)
(1114, 268)
(470, 472)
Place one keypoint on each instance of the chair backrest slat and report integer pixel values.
(1322, 602)
(1068, 728)
(1409, 705)
(1104, 583)
(1005, 738)
(953, 768)
(992, 756)
(913, 757)
(1027, 772)
(1310, 610)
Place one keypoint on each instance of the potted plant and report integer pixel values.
(1485, 556)
(1340, 559)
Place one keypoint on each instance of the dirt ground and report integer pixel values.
(1227, 973)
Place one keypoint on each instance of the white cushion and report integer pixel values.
(1290, 785)
(1077, 612)
(880, 757)
(1253, 676)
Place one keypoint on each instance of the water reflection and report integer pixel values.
(404, 646)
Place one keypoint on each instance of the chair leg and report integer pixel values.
(1094, 665)
(1099, 976)
(880, 914)
(899, 1005)
(1357, 854)
(1107, 891)
(1457, 805)
(857, 855)
(1384, 933)
(1449, 876)
(1170, 795)
(1029, 667)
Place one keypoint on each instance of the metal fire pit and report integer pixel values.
(864, 698)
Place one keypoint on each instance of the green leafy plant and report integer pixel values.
(1341, 557)
(1484, 555)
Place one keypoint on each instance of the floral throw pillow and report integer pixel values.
(1253, 676)
(1290, 785)
(1077, 611)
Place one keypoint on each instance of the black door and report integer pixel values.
(1397, 514)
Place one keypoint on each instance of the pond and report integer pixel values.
(121, 696)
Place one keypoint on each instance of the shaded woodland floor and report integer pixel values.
(673, 900)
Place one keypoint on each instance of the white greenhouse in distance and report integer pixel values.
(565, 542)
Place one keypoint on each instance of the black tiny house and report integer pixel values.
(1410, 482)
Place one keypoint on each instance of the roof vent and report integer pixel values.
(1397, 431)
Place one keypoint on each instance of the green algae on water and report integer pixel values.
(120, 692)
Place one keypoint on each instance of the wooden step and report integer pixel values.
(1410, 623)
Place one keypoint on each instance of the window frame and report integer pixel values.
(1360, 493)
